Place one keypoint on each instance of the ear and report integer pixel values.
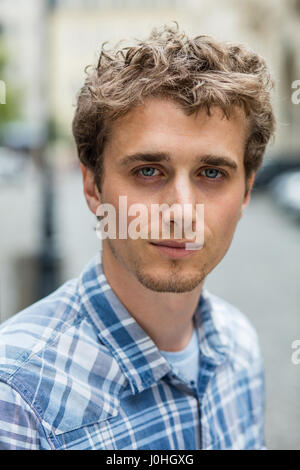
(90, 189)
(250, 182)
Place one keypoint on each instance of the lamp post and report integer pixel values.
(48, 259)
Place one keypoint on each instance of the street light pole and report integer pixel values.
(48, 260)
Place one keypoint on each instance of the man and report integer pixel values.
(136, 353)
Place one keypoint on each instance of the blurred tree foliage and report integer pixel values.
(10, 110)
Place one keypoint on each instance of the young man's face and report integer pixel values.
(161, 128)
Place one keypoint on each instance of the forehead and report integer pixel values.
(162, 125)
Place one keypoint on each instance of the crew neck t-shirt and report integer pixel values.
(185, 362)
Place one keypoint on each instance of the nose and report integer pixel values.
(180, 193)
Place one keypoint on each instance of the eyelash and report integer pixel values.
(137, 170)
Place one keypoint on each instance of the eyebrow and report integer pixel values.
(209, 159)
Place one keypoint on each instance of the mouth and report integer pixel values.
(173, 249)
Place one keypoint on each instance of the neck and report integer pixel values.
(166, 317)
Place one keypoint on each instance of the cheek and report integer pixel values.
(123, 205)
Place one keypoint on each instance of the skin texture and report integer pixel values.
(162, 293)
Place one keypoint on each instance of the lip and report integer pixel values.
(173, 249)
(172, 244)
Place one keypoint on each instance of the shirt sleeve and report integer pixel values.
(19, 427)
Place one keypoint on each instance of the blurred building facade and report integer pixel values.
(77, 29)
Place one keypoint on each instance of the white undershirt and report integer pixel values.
(186, 361)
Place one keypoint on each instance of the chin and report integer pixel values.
(170, 282)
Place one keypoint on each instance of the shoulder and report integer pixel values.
(51, 355)
(37, 327)
(236, 331)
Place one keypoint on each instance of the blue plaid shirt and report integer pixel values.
(78, 372)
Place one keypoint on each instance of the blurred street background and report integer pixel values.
(47, 231)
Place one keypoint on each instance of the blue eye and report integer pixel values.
(212, 173)
(147, 171)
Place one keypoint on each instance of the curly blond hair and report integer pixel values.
(197, 72)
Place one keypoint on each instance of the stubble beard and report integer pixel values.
(174, 282)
